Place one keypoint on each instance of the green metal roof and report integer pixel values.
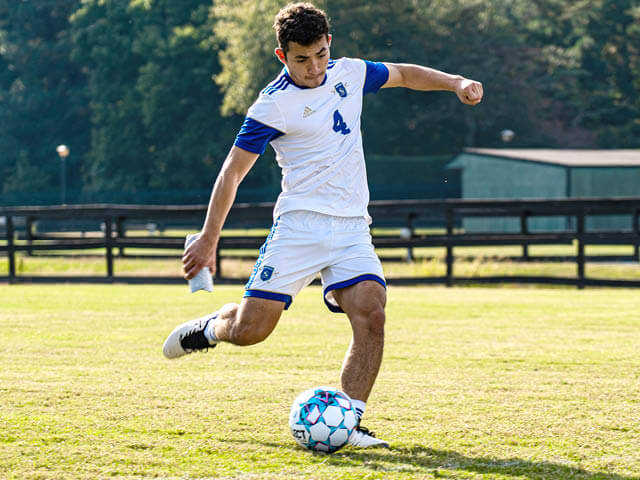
(567, 158)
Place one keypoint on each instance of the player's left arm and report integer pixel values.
(416, 77)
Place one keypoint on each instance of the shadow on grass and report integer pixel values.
(445, 464)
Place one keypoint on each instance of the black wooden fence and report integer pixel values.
(117, 220)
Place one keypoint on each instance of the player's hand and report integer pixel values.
(469, 92)
(201, 253)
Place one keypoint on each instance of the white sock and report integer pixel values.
(210, 332)
(359, 406)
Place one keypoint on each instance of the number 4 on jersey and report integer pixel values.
(339, 125)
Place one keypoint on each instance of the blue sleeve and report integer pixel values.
(376, 76)
(254, 136)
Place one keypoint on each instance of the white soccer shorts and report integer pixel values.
(301, 245)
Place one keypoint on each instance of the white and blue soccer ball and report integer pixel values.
(322, 419)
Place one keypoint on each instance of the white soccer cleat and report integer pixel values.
(187, 338)
(363, 438)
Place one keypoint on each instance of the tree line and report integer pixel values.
(149, 94)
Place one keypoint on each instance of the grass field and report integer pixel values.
(499, 383)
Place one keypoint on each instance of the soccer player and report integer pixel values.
(310, 114)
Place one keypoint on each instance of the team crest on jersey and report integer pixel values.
(266, 273)
(340, 88)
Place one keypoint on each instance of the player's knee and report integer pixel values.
(377, 320)
(370, 321)
(229, 310)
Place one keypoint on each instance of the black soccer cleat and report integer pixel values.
(187, 338)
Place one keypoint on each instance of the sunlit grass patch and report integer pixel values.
(476, 383)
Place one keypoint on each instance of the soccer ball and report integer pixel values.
(322, 419)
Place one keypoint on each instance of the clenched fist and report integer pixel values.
(469, 91)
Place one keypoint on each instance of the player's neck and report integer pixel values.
(286, 72)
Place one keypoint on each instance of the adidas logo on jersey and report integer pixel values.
(307, 111)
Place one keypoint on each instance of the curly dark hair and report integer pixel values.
(302, 23)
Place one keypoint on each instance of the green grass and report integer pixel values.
(476, 383)
(490, 263)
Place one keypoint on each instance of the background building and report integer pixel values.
(547, 173)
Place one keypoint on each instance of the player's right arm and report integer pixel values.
(202, 252)
(264, 122)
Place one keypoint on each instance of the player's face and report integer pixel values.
(307, 65)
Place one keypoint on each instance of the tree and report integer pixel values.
(187, 138)
(154, 104)
(42, 101)
(148, 94)
(103, 34)
(610, 60)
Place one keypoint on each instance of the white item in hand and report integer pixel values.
(202, 280)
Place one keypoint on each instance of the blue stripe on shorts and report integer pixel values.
(280, 297)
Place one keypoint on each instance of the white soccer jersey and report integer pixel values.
(316, 135)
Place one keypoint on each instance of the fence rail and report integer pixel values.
(406, 214)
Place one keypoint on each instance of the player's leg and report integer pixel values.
(246, 324)
(289, 260)
(364, 304)
(354, 284)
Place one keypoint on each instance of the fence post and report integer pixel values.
(120, 233)
(108, 244)
(10, 249)
(636, 230)
(524, 229)
(580, 256)
(450, 224)
(29, 235)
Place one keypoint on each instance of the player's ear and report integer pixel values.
(329, 38)
(281, 55)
